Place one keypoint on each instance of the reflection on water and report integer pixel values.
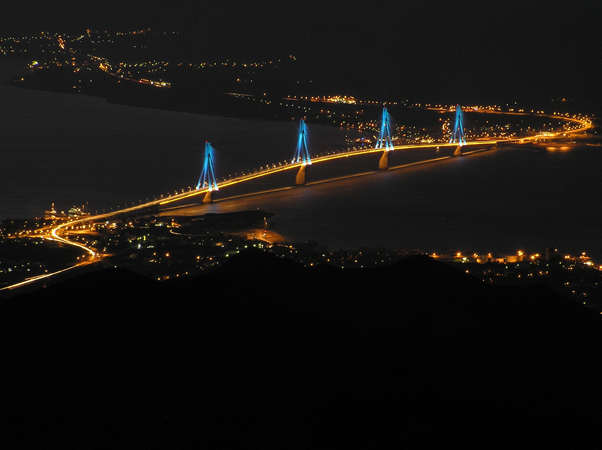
(560, 148)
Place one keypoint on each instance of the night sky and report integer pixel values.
(447, 50)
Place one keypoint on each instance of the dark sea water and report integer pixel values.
(74, 150)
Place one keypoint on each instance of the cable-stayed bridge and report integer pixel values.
(208, 185)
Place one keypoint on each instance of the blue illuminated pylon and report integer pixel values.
(457, 136)
(207, 177)
(384, 139)
(302, 153)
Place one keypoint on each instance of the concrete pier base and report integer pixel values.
(300, 180)
(383, 164)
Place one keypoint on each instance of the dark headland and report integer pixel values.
(265, 352)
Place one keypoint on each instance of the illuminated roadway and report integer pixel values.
(585, 125)
(55, 233)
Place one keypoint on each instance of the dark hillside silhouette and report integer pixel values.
(266, 352)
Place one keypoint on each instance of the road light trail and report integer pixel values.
(41, 277)
(56, 237)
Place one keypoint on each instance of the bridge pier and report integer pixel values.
(458, 151)
(208, 197)
(383, 164)
(300, 179)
